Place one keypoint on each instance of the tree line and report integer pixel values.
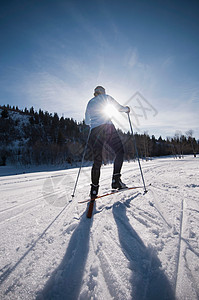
(30, 137)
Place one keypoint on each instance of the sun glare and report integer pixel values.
(111, 112)
(108, 110)
(118, 118)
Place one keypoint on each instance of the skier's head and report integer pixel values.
(99, 90)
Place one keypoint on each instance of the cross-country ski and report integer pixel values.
(112, 192)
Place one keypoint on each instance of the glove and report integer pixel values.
(128, 111)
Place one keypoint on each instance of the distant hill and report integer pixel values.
(28, 137)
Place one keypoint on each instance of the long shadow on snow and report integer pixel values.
(65, 282)
(148, 280)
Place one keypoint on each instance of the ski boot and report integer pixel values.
(93, 196)
(117, 183)
(94, 191)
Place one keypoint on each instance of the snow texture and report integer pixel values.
(135, 247)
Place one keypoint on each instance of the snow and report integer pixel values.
(135, 247)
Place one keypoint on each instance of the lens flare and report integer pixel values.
(109, 110)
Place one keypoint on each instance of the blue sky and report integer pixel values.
(54, 53)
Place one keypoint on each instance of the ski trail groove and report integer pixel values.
(135, 252)
(22, 204)
(179, 246)
(19, 214)
(190, 275)
(113, 280)
(157, 208)
(11, 269)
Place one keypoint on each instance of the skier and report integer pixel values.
(103, 130)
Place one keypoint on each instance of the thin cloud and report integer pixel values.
(131, 58)
(47, 91)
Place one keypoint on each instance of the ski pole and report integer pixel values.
(136, 150)
(73, 195)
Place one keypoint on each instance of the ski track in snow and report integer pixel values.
(135, 247)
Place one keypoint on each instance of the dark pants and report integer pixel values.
(100, 135)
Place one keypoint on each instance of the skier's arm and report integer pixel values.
(119, 107)
(87, 116)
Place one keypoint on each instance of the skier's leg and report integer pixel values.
(97, 141)
(95, 171)
(116, 144)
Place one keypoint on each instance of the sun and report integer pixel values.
(109, 110)
(118, 118)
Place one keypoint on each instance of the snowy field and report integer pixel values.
(135, 247)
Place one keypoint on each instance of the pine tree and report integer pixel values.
(4, 114)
